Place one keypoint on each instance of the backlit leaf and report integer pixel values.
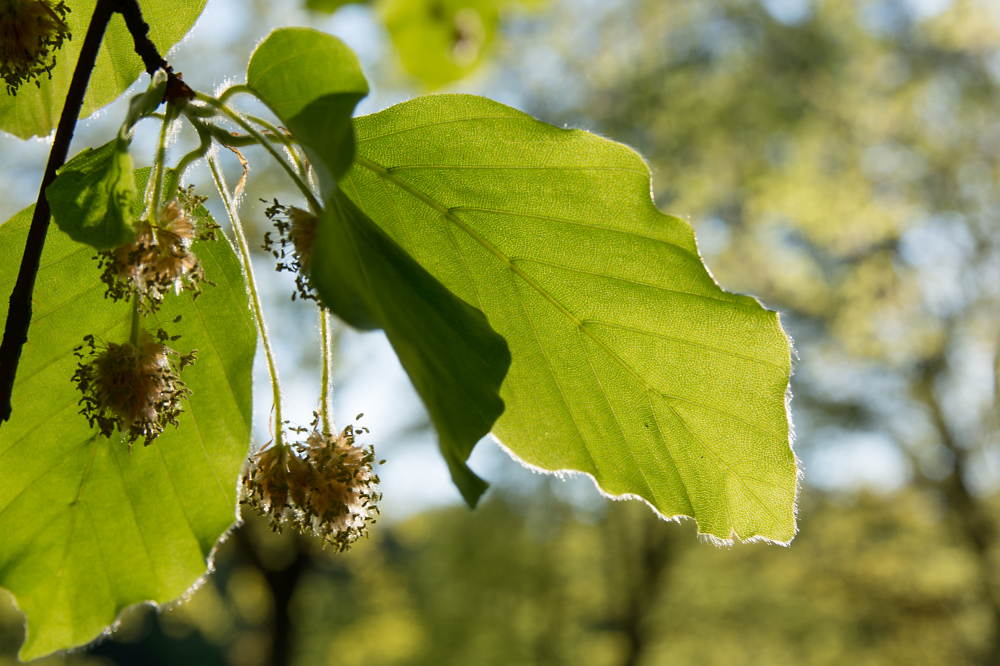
(629, 362)
(34, 111)
(90, 528)
(91, 199)
(312, 81)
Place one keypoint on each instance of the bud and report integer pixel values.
(324, 486)
(297, 230)
(135, 388)
(160, 259)
(31, 31)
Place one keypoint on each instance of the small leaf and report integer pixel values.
(454, 359)
(89, 528)
(146, 103)
(629, 362)
(34, 111)
(312, 81)
(91, 199)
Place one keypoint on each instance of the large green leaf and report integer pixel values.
(454, 359)
(312, 81)
(629, 362)
(35, 111)
(89, 528)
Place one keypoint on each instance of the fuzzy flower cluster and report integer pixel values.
(134, 388)
(294, 246)
(325, 486)
(31, 31)
(160, 260)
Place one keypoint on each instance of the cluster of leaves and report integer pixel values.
(520, 271)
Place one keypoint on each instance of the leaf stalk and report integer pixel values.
(255, 300)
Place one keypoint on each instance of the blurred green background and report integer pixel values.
(839, 160)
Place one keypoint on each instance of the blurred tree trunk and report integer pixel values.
(282, 584)
(969, 516)
(638, 557)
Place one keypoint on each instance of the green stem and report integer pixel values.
(327, 410)
(232, 91)
(283, 138)
(196, 154)
(159, 166)
(241, 242)
(314, 203)
(136, 326)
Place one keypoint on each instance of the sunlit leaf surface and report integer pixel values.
(91, 199)
(89, 528)
(34, 111)
(312, 81)
(629, 362)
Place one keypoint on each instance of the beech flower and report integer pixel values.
(31, 31)
(160, 259)
(135, 388)
(297, 231)
(325, 486)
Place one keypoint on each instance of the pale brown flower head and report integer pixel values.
(294, 246)
(160, 259)
(31, 31)
(325, 486)
(134, 388)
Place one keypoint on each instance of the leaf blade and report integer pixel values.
(34, 111)
(618, 333)
(91, 197)
(90, 529)
(312, 81)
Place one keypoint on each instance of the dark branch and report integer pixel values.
(137, 26)
(144, 46)
(19, 314)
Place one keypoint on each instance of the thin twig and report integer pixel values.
(144, 46)
(19, 313)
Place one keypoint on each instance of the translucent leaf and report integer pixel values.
(91, 199)
(34, 111)
(312, 81)
(90, 528)
(454, 359)
(629, 362)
